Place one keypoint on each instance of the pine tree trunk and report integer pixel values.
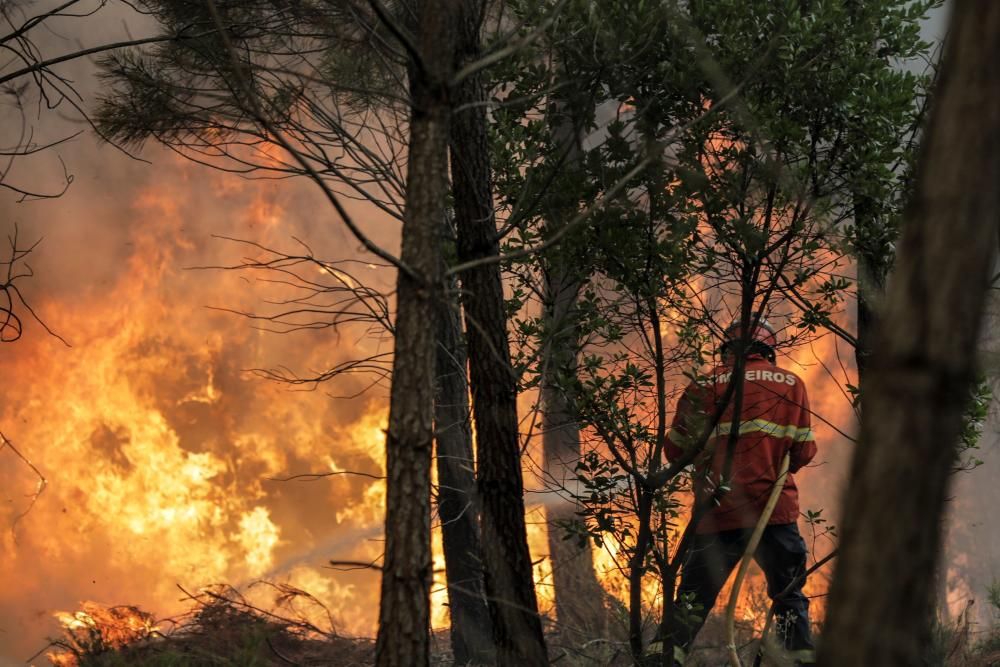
(509, 585)
(578, 595)
(471, 630)
(869, 290)
(404, 610)
(922, 366)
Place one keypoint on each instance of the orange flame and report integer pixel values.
(96, 628)
(160, 451)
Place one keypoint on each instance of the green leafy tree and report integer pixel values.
(757, 112)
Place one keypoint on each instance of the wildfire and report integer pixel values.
(96, 628)
(160, 450)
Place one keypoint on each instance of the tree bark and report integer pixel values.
(869, 288)
(509, 584)
(471, 630)
(578, 595)
(919, 375)
(404, 611)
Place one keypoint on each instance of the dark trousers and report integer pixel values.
(712, 557)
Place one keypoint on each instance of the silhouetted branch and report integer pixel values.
(11, 297)
(39, 489)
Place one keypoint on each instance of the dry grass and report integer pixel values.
(222, 630)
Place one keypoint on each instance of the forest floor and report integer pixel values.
(223, 630)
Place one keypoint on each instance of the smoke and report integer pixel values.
(159, 447)
(972, 546)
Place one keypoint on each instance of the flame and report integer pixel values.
(538, 546)
(96, 628)
(160, 450)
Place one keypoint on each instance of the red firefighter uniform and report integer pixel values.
(774, 418)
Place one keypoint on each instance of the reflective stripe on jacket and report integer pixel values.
(774, 418)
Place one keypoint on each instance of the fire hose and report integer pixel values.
(741, 573)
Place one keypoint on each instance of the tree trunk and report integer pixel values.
(579, 597)
(509, 585)
(471, 630)
(404, 611)
(922, 366)
(869, 290)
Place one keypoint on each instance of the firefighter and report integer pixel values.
(774, 419)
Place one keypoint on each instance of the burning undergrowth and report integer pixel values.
(222, 627)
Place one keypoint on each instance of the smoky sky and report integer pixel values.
(154, 411)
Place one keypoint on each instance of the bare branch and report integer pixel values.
(39, 488)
